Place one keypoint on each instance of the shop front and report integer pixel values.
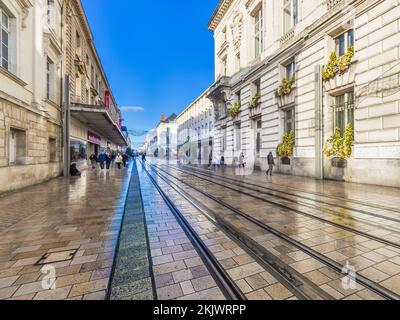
(94, 143)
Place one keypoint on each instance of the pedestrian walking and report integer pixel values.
(242, 161)
(108, 161)
(125, 159)
(144, 157)
(271, 163)
(102, 159)
(119, 160)
(93, 161)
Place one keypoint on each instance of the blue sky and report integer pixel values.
(158, 55)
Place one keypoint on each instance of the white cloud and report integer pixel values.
(134, 109)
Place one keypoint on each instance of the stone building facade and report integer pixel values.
(195, 131)
(30, 92)
(275, 73)
(95, 124)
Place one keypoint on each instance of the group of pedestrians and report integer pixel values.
(220, 162)
(105, 159)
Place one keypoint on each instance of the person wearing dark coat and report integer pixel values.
(102, 159)
(73, 171)
(271, 163)
(93, 161)
(109, 158)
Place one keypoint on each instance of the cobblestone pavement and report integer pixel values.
(342, 225)
(179, 272)
(80, 225)
(75, 221)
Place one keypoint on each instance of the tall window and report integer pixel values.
(290, 14)
(49, 79)
(290, 70)
(238, 136)
(344, 111)
(52, 150)
(4, 39)
(237, 62)
(223, 140)
(343, 42)
(258, 33)
(17, 147)
(78, 40)
(51, 14)
(289, 120)
(224, 66)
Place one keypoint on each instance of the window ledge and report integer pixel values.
(12, 76)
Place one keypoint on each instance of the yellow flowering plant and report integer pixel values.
(337, 65)
(285, 149)
(338, 146)
(235, 109)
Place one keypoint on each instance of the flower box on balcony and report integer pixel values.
(340, 80)
(286, 99)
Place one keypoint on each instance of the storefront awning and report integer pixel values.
(98, 119)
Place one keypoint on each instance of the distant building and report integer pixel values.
(161, 142)
(195, 131)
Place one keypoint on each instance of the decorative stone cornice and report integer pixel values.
(219, 13)
(24, 3)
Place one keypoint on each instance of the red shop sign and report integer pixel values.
(94, 138)
(107, 98)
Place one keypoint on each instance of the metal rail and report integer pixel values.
(338, 225)
(226, 284)
(314, 193)
(302, 287)
(385, 293)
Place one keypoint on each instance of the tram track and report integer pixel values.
(297, 211)
(248, 183)
(228, 287)
(302, 287)
(338, 267)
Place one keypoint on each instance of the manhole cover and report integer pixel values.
(55, 257)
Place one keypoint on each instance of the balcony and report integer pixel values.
(286, 37)
(330, 4)
(101, 119)
(287, 100)
(341, 80)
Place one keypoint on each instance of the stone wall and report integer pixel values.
(38, 130)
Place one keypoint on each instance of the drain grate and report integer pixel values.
(55, 257)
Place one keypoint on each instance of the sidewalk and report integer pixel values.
(78, 218)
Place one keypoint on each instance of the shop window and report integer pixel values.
(17, 147)
(78, 151)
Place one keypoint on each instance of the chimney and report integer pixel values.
(163, 118)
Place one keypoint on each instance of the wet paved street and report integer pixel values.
(267, 238)
(79, 214)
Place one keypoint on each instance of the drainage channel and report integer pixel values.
(132, 275)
